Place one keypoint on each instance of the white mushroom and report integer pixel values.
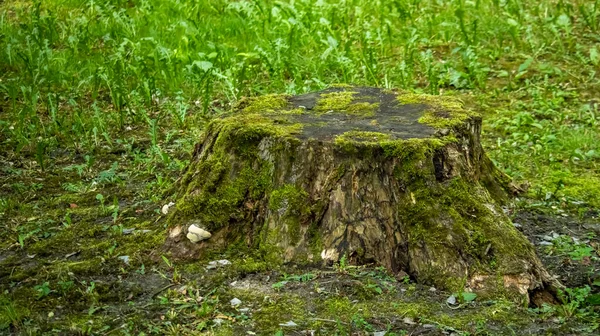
(196, 234)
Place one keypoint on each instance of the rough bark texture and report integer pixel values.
(377, 176)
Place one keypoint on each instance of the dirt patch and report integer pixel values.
(561, 241)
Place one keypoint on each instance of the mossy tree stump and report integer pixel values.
(378, 176)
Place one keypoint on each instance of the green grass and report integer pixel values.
(108, 98)
(86, 74)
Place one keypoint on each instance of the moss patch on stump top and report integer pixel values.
(328, 114)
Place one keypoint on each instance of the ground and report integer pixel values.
(101, 104)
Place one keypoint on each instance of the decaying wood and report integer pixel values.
(365, 174)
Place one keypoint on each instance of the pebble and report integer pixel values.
(130, 231)
(379, 333)
(218, 321)
(288, 324)
(244, 310)
(408, 320)
(125, 259)
(196, 234)
(165, 208)
(218, 263)
(235, 302)
(432, 289)
(451, 300)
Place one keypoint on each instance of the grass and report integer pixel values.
(101, 103)
(84, 74)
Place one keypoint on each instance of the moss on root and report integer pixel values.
(460, 221)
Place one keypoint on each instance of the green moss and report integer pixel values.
(216, 199)
(290, 197)
(451, 220)
(335, 101)
(409, 150)
(292, 203)
(362, 136)
(279, 309)
(444, 111)
(338, 307)
(342, 101)
(264, 104)
(362, 109)
(341, 85)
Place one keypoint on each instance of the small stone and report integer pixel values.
(517, 225)
(235, 302)
(451, 300)
(196, 234)
(244, 310)
(128, 231)
(218, 263)
(380, 333)
(174, 232)
(165, 208)
(432, 289)
(429, 326)
(288, 324)
(125, 259)
(218, 321)
(545, 243)
(408, 320)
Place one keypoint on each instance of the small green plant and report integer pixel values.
(342, 266)
(287, 278)
(65, 286)
(42, 290)
(361, 323)
(100, 198)
(11, 316)
(67, 222)
(576, 303)
(167, 261)
(565, 245)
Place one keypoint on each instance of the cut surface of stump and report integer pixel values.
(367, 174)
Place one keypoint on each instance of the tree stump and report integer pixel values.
(366, 174)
